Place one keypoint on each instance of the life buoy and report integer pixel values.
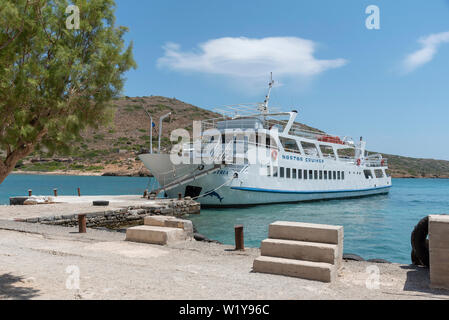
(358, 162)
(274, 154)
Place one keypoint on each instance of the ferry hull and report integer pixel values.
(233, 194)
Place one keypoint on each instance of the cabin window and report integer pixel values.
(315, 176)
(379, 173)
(299, 174)
(275, 172)
(310, 149)
(327, 151)
(325, 174)
(387, 173)
(288, 173)
(346, 153)
(321, 174)
(342, 175)
(368, 174)
(290, 145)
(305, 174)
(330, 175)
(294, 173)
(268, 171)
(310, 174)
(334, 175)
(281, 172)
(338, 175)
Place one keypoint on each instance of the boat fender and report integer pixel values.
(201, 167)
(420, 245)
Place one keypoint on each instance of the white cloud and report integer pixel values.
(248, 59)
(429, 48)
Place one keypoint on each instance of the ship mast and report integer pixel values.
(263, 107)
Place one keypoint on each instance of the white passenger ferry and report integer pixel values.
(250, 156)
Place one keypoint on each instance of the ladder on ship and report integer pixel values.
(187, 178)
(218, 156)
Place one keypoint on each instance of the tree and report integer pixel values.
(56, 81)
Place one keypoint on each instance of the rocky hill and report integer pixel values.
(112, 150)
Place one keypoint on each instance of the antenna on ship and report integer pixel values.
(263, 107)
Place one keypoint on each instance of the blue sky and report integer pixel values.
(389, 85)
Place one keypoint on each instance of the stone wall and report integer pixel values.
(125, 216)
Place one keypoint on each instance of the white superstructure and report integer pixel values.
(251, 156)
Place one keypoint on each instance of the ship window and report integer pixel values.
(346, 153)
(368, 174)
(327, 151)
(281, 173)
(294, 173)
(387, 173)
(330, 175)
(288, 173)
(338, 175)
(310, 149)
(290, 145)
(379, 173)
(334, 175)
(321, 174)
(275, 171)
(325, 174)
(305, 174)
(268, 171)
(310, 174)
(299, 173)
(315, 176)
(343, 175)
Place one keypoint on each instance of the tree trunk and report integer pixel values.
(9, 163)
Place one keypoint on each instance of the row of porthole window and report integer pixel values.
(293, 173)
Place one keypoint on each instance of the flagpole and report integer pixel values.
(151, 130)
(151, 135)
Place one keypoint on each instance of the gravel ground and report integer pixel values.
(34, 260)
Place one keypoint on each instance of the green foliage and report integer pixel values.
(55, 82)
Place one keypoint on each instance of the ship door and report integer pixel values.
(192, 191)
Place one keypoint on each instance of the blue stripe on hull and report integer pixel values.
(306, 192)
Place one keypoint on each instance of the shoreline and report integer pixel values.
(138, 175)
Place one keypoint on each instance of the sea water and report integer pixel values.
(374, 227)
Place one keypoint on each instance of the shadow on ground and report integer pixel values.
(14, 287)
(418, 280)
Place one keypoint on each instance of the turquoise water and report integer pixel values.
(375, 227)
(18, 185)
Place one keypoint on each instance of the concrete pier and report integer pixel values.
(64, 210)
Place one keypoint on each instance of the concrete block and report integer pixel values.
(309, 232)
(318, 271)
(300, 250)
(439, 251)
(155, 235)
(171, 222)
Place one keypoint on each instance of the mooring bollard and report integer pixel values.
(179, 196)
(79, 192)
(82, 223)
(55, 192)
(30, 192)
(239, 241)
